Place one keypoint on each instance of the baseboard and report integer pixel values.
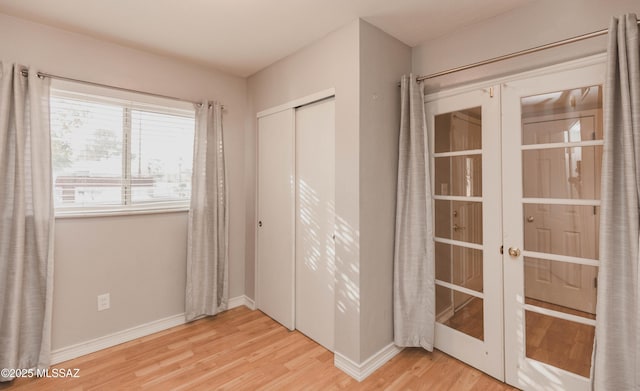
(362, 371)
(77, 350)
(107, 341)
(243, 300)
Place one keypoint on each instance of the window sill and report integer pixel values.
(73, 214)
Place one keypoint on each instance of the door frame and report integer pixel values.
(290, 105)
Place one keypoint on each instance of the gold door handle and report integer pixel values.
(457, 228)
(514, 251)
(530, 219)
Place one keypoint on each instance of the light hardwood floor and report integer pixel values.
(246, 350)
(561, 343)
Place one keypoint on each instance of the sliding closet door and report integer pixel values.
(465, 156)
(276, 217)
(315, 221)
(552, 153)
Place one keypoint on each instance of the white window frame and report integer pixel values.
(135, 101)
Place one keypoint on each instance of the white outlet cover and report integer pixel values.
(104, 302)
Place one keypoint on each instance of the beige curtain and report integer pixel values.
(26, 220)
(414, 265)
(207, 290)
(617, 351)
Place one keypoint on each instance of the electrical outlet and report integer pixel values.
(104, 302)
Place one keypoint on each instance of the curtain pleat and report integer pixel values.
(207, 291)
(414, 265)
(616, 363)
(26, 220)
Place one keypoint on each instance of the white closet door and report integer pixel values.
(315, 221)
(276, 216)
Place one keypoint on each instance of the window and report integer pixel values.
(115, 151)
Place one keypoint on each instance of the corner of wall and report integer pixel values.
(378, 142)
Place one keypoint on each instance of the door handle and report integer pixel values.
(259, 223)
(530, 219)
(457, 228)
(514, 251)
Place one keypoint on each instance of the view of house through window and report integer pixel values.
(110, 153)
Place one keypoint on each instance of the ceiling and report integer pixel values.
(243, 36)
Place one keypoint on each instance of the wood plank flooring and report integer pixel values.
(246, 350)
(561, 343)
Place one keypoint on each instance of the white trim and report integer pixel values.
(298, 102)
(459, 243)
(561, 201)
(462, 289)
(240, 301)
(75, 213)
(362, 371)
(574, 144)
(458, 153)
(561, 258)
(107, 341)
(457, 198)
(445, 314)
(569, 65)
(558, 314)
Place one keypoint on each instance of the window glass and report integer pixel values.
(111, 153)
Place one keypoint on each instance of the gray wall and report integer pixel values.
(364, 65)
(538, 23)
(140, 260)
(383, 60)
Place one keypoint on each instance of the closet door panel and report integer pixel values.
(276, 208)
(315, 221)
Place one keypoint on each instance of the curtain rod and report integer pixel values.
(91, 83)
(517, 54)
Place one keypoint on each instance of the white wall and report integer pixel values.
(538, 23)
(140, 260)
(364, 65)
(383, 60)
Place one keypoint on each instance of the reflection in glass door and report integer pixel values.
(465, 152)
(552, 141)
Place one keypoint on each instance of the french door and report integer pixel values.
(517, 207)
(465, 151)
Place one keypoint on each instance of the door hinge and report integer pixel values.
(501, 249)
(595, 282)
(490, 92)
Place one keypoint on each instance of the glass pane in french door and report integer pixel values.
(458, 221)
(561, 160)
